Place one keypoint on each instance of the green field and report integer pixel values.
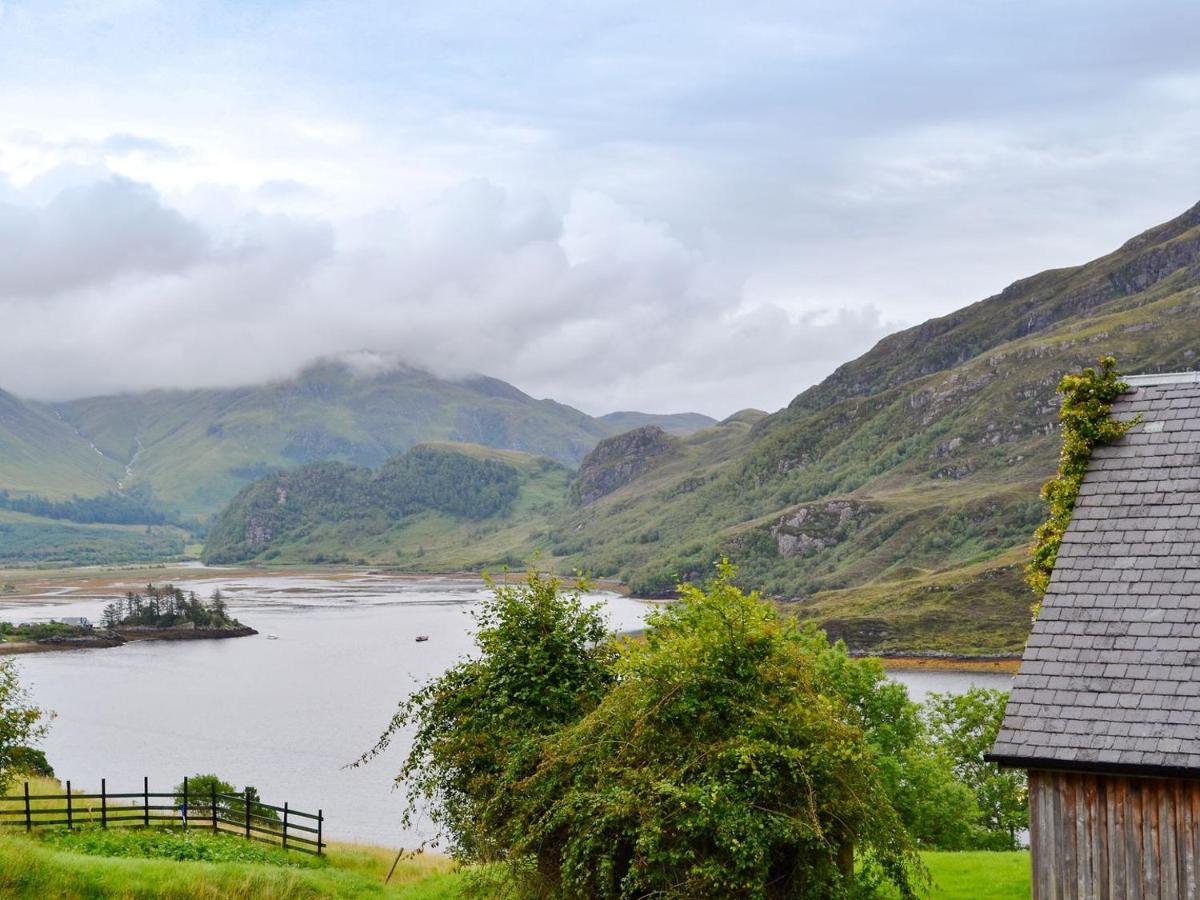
(49, 866)
(161, 862)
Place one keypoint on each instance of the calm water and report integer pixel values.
(285, 715)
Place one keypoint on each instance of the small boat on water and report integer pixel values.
(422, 637)
(272, 637)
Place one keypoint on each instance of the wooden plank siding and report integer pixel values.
(1095, 836)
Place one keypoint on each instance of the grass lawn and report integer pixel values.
(74, 866)
(979, 876)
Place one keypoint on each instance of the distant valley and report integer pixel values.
(891, 503)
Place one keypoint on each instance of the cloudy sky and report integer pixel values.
(661, 206)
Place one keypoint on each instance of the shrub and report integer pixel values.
(715, 766)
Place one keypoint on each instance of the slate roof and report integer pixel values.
(1110, 679)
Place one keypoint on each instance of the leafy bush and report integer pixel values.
(200, 790)
(1086, 423)
(195, 845)
(543, 661)
(715, 766)
(722, 756)
(21, 724)
(964, 727)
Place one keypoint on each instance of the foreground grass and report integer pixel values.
(978, 876)
(130, 863)
(34, 868)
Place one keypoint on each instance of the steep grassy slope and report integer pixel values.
(40, 454)
(890, 501)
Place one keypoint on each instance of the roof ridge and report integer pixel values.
(1154, 379)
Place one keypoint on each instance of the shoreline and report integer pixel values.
(120, 638)
(73, 584)
(1004, 664)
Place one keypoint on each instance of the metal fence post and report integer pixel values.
(320, 820)
(69, 804)
(247, 813)
(212, 796)
(103, 804)
(28, 815)
(285, 817)
(185, 803)
(146, 798)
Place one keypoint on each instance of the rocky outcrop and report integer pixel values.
(816, 526)
(618, 460)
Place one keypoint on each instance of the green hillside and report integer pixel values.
(195, 449)
(436, 507)
(41, 454)
(198, 448)
(892, 502)
(911, 473)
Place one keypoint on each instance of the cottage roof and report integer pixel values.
(1110, 679)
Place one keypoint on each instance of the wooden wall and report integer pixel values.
(1111, 836)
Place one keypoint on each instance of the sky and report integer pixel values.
(659, 206)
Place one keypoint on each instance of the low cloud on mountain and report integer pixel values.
(620, 206)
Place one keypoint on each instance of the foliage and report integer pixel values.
(296, 502)
(1086, 423)
(936, 808)
(964, 728)
(714, 765)
(193, 845)
(200, 793)
(30, 761)
(40, 631)
(168, 607)
(542, 662)
(25, 540)
(135, 506)
(21, 723)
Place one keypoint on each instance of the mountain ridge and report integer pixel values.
(893, 502)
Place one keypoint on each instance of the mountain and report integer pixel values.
(673, 423)
(893, 502)
(195, 449)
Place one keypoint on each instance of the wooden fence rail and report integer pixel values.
(242, 814)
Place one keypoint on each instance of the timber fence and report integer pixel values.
(242, 814)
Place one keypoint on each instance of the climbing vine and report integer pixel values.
(1086, 423)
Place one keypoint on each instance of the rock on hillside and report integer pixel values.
(617, 461)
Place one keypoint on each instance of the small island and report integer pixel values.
(164, 613)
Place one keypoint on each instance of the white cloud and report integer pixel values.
(629, 205)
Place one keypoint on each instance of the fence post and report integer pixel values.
(28, 815)
(185, 803)
(247, 813)
(68, 804)
(146, 799)
(213, 800)
(320, 820)
(285, 814)
(103, 803)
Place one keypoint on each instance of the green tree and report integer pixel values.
(937, 809)
(21, 723)
(964, 727)
(715, 766)
(542, 661)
